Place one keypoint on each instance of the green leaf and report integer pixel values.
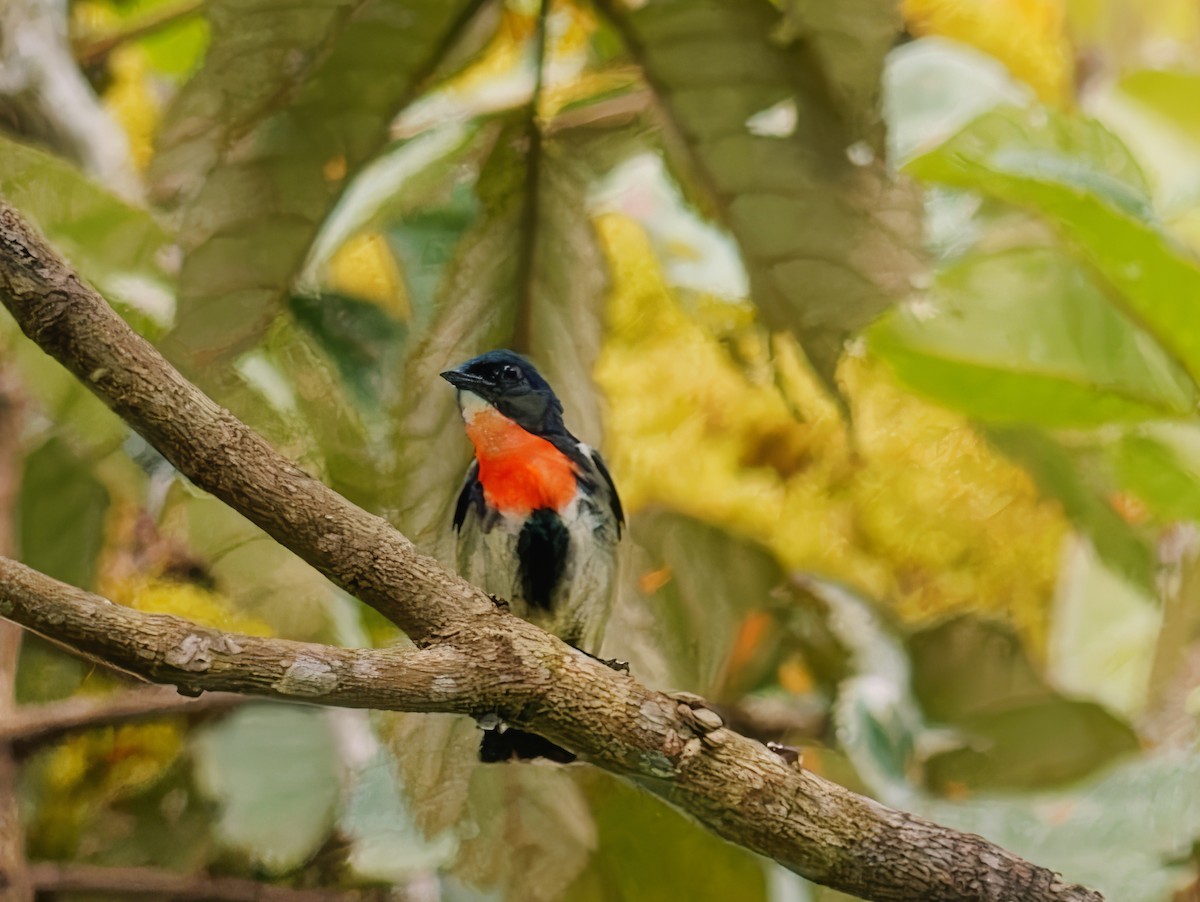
(680, 634)
(522, 830)
(1079, 484)
(650, 852)
(934, 86)
(406, 186)
(1025, 336)
(337, 393)
(359, 337)
(1018, 732)
(1105, 634)
(117, 247)
(260, 577)
(1159, 465)
(425, 243)
(788, 148)
(61, 513)
(540, 841)
(1128, 833)
(256, 148)
(879, 723)
(386, 843)
(532, 831)
(966, 667)
(1083, 179)
(1170, 94)
(47, 673)
(273, 770)
(848, 42)
(1043, 744)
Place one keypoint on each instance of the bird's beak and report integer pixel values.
(466, 381)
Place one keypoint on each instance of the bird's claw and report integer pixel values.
(792, 756)
(618, 666)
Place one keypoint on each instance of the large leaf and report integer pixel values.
(1081, 485)
(386, 843)
(256, 149)
(274, 771)
(650, 852)
(61, 514)
(1105, 634)
(933, 87)
(1084, 180)
(359, 337)
(1161, 465)
(788, 149)
(523, 830)
(1128, 833)
(117, 247)
(686, 587)
(1018, 731)
(1025, 336)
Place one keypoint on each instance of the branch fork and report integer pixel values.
(469, 656)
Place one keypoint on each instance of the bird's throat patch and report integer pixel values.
(520, 472)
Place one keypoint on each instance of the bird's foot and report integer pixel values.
(792, 756)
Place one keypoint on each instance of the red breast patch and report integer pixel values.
(520, 472)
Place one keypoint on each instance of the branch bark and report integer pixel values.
(733, 785)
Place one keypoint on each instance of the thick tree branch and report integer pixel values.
(172, 650)
(733, 785)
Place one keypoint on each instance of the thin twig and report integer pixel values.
(31, 725)
(15, 884)
(86, 878)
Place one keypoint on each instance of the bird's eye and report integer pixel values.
(509, 373)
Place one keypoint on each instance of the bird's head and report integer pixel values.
(511, 385)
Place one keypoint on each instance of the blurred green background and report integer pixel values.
(885, 318)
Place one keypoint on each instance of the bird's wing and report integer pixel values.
(472, 493)
(614, 499)
(593, 473)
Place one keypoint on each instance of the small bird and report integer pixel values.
(538, 517)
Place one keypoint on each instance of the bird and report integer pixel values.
(538, 518)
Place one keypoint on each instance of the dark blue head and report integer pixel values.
(512, 385)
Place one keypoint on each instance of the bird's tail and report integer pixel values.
(507, 744)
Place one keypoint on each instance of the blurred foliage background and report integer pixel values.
(884, 317)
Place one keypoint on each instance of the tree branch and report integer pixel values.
(167, 649)
(15, 884)
(733, 785)
(86, 878)
(31, 725)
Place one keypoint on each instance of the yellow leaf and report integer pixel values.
(1028, 36)
(181, 599)
(132, 102)
(365, 268)
(914, 508)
